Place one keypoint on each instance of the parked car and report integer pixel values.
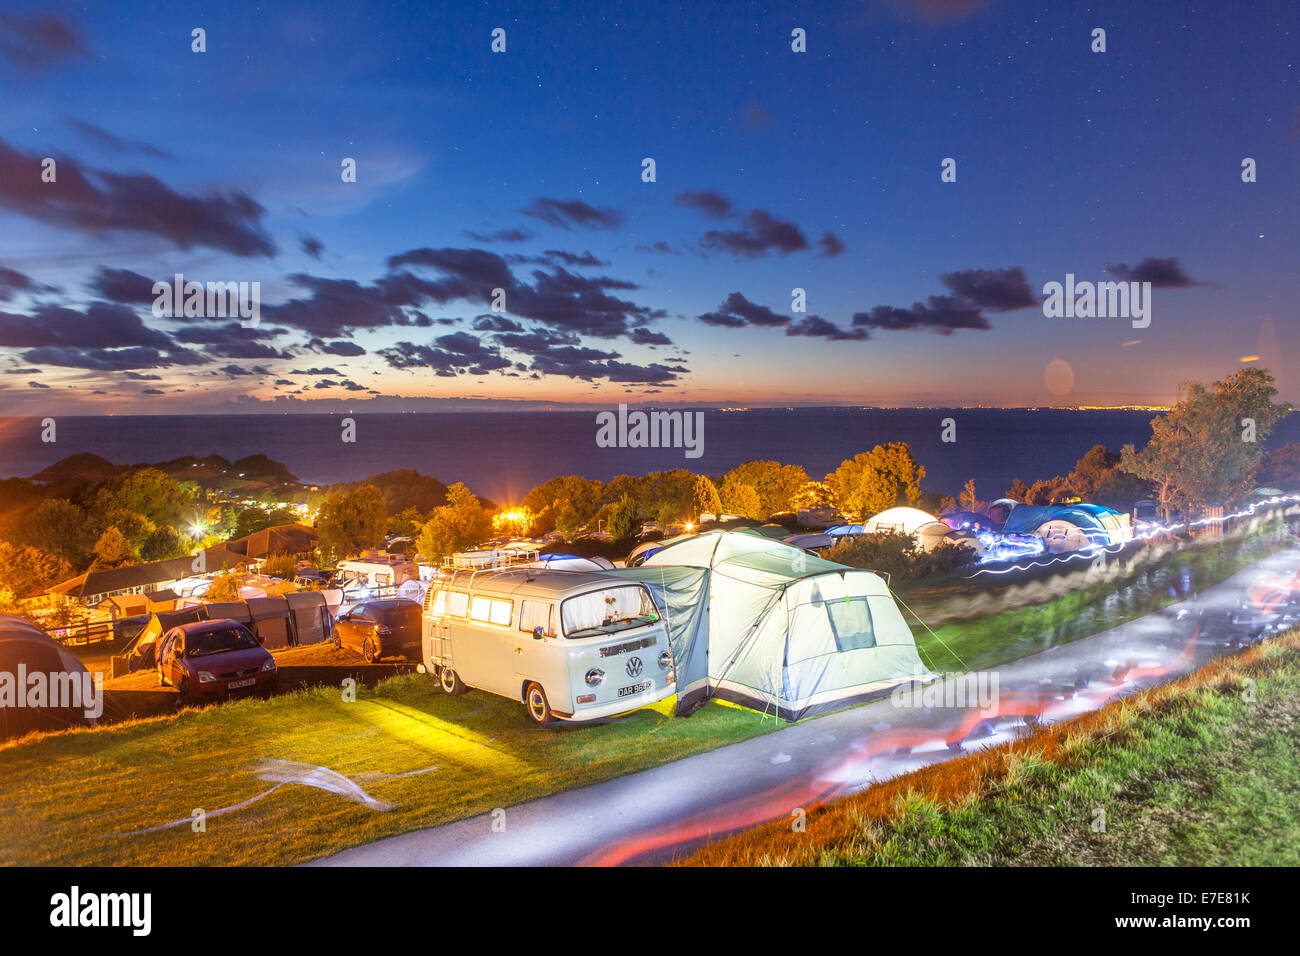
(384, 628)
(215, 660)
(312, 578)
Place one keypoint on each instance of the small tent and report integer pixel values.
(928, 530)
(766, 625)
(65, 695)
(1070, 527)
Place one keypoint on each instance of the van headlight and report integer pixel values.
(206, 677)
(594, 676)
(665, 659)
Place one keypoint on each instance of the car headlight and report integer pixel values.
(595, 676)
(269, 664)
(205, 677)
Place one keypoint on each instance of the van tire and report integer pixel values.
(450, 682)
(536, 705)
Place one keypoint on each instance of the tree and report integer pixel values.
(406, 524)
(112, 550)
(741, 499)
(704, 496)
(26, 571)
(165, 542)
(224, 587)
(60, 527)
(1199, 453)
(151, 493)
(624, 518)
(967, 500)
(1281, 467)
(777, 485)
(583, 495)
(1097, 466)
(813, 494)
(872, 481)
(460, 524)
(251, 520)
(282, 566)
(1019, 491)
(349, 522)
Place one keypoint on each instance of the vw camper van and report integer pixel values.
(571, 645)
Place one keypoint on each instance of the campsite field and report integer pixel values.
(1202, 771)
(434, 758)
(431, 758)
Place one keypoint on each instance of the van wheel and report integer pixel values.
(451, 682)
(369, 651)
(536, 704)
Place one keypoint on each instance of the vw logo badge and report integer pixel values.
(634, 667)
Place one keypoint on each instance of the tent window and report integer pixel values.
(850, 621)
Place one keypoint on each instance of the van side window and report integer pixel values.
(457, 603)
(437, 603)
(537, 614)
(490, 610)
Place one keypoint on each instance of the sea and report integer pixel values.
(501, 455)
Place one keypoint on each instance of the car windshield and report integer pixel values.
(217, 642)
(607, 610)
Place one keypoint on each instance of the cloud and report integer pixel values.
(1000, 290)
(575, 259)
(103, 325)
(1161, 273)
(13, 282)
(344, 349)
(829, 245)
(500, 235)
(939, 313)
(102, 137)
(122, 285)
(567, 213)
(312, 246)
(231, 340)
(762, 234)
(814, 326)
(39, 41)
(708, 201)
(644, 336)
(111, 360)
(94, 200)
(37, 385)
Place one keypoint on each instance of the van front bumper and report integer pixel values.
(622, 706)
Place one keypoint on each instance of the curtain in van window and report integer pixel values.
(597, 607)
(536, 614)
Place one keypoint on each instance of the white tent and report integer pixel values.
(921, 525)
(766, 625)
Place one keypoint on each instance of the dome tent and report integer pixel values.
(1070, 527)
(765, 625)
(928, 530)
(32, 661)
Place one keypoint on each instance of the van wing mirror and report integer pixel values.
(537, 633)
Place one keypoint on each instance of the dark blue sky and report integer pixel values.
(775, 170)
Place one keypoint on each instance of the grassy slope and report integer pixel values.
(1008, 635)
(1188, 773)
(75, 789)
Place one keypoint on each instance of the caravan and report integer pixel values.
(573, 645)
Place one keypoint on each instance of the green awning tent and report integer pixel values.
(768, 626)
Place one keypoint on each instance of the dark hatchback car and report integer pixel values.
(214, 660)
(386, 628)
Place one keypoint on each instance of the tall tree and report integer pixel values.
(349, 522)
(460, 524)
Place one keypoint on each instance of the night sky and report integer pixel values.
(522, 171)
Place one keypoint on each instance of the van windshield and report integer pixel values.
(607, 610)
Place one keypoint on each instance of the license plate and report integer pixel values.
(246, 682)
(633, 689)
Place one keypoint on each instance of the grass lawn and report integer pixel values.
(1008, 635)
(434, 758)
(1203, 771)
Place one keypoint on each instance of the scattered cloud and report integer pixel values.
(567, 213)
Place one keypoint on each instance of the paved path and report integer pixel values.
(654, 815)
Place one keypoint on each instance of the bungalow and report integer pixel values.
(98, 585)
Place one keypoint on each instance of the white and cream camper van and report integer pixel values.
(568, 644)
